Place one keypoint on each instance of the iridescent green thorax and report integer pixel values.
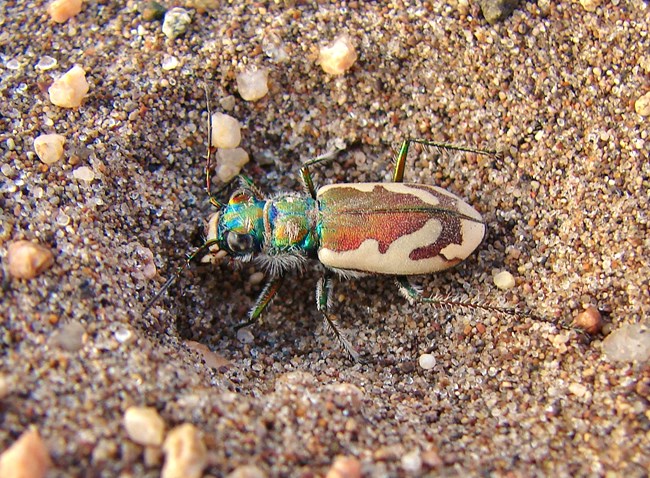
(284, 225)
(290, 224)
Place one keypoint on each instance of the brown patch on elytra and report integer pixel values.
(350, 216)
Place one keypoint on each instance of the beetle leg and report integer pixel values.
(271, 288)
(305, 175)
(323, 303)
(400, 159)
(414, 295)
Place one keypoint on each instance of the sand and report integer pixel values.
(553, 87)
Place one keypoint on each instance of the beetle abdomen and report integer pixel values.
(395, 228)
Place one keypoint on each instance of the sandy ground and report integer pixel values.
(553, 87)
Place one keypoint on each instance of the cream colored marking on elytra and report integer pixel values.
(395, 260)
(472, 234)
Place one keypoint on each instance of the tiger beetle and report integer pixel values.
(354, 229)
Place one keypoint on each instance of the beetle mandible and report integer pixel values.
(353, 229)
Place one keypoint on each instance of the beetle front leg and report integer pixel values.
(323, 303)
(271, 288)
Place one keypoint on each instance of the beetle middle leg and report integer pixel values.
(323, 303)
(400, 159)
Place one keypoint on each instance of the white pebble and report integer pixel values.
(230, 163)
(590, 5)
(62, 10)
(144, 425)
(412, 462)
(46, 63)
(27, 457)
(578, 389)
(26, 260)
(169, 62)
(12, 64)
(642, 105)
(176, 22)
(70, 89)
(49, 147)
(338, 57)
(124, 335)
(504, 280)
(245, 336)
(627, 343)
(252, 84)
(427, 361)
(185, 453)
(226, 131)
(84, 173)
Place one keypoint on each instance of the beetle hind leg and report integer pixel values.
(414, 295)
(323, 302)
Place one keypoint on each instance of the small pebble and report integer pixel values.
(642, 105)
(245, 336)
(627, 343)
(228, 103)
(144, 425)
(589, 320)
(338, 57)
(26, 260)
(252, 84)
(496, 10)
(427, 361)
(5, 388)
(345, 467)
(504, 280)
(28, 457)
(185, 453)
(412, 462)
(247, 471)
(210, 359)
(169, 63)
(46, 63)
(230, 163)
(145, 265)
(578, 389)
(152, 11)
(432, 458)
(176, 22)
(69, 336)
(124, 335)
(49, 147)
(62, 10)
(84, 173)
(69, 90)
(590, 5)
(226, 131)
(12, 64)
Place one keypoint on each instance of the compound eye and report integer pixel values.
(239, 242)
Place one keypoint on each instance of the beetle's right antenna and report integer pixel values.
(191, 257)
(208, 182)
